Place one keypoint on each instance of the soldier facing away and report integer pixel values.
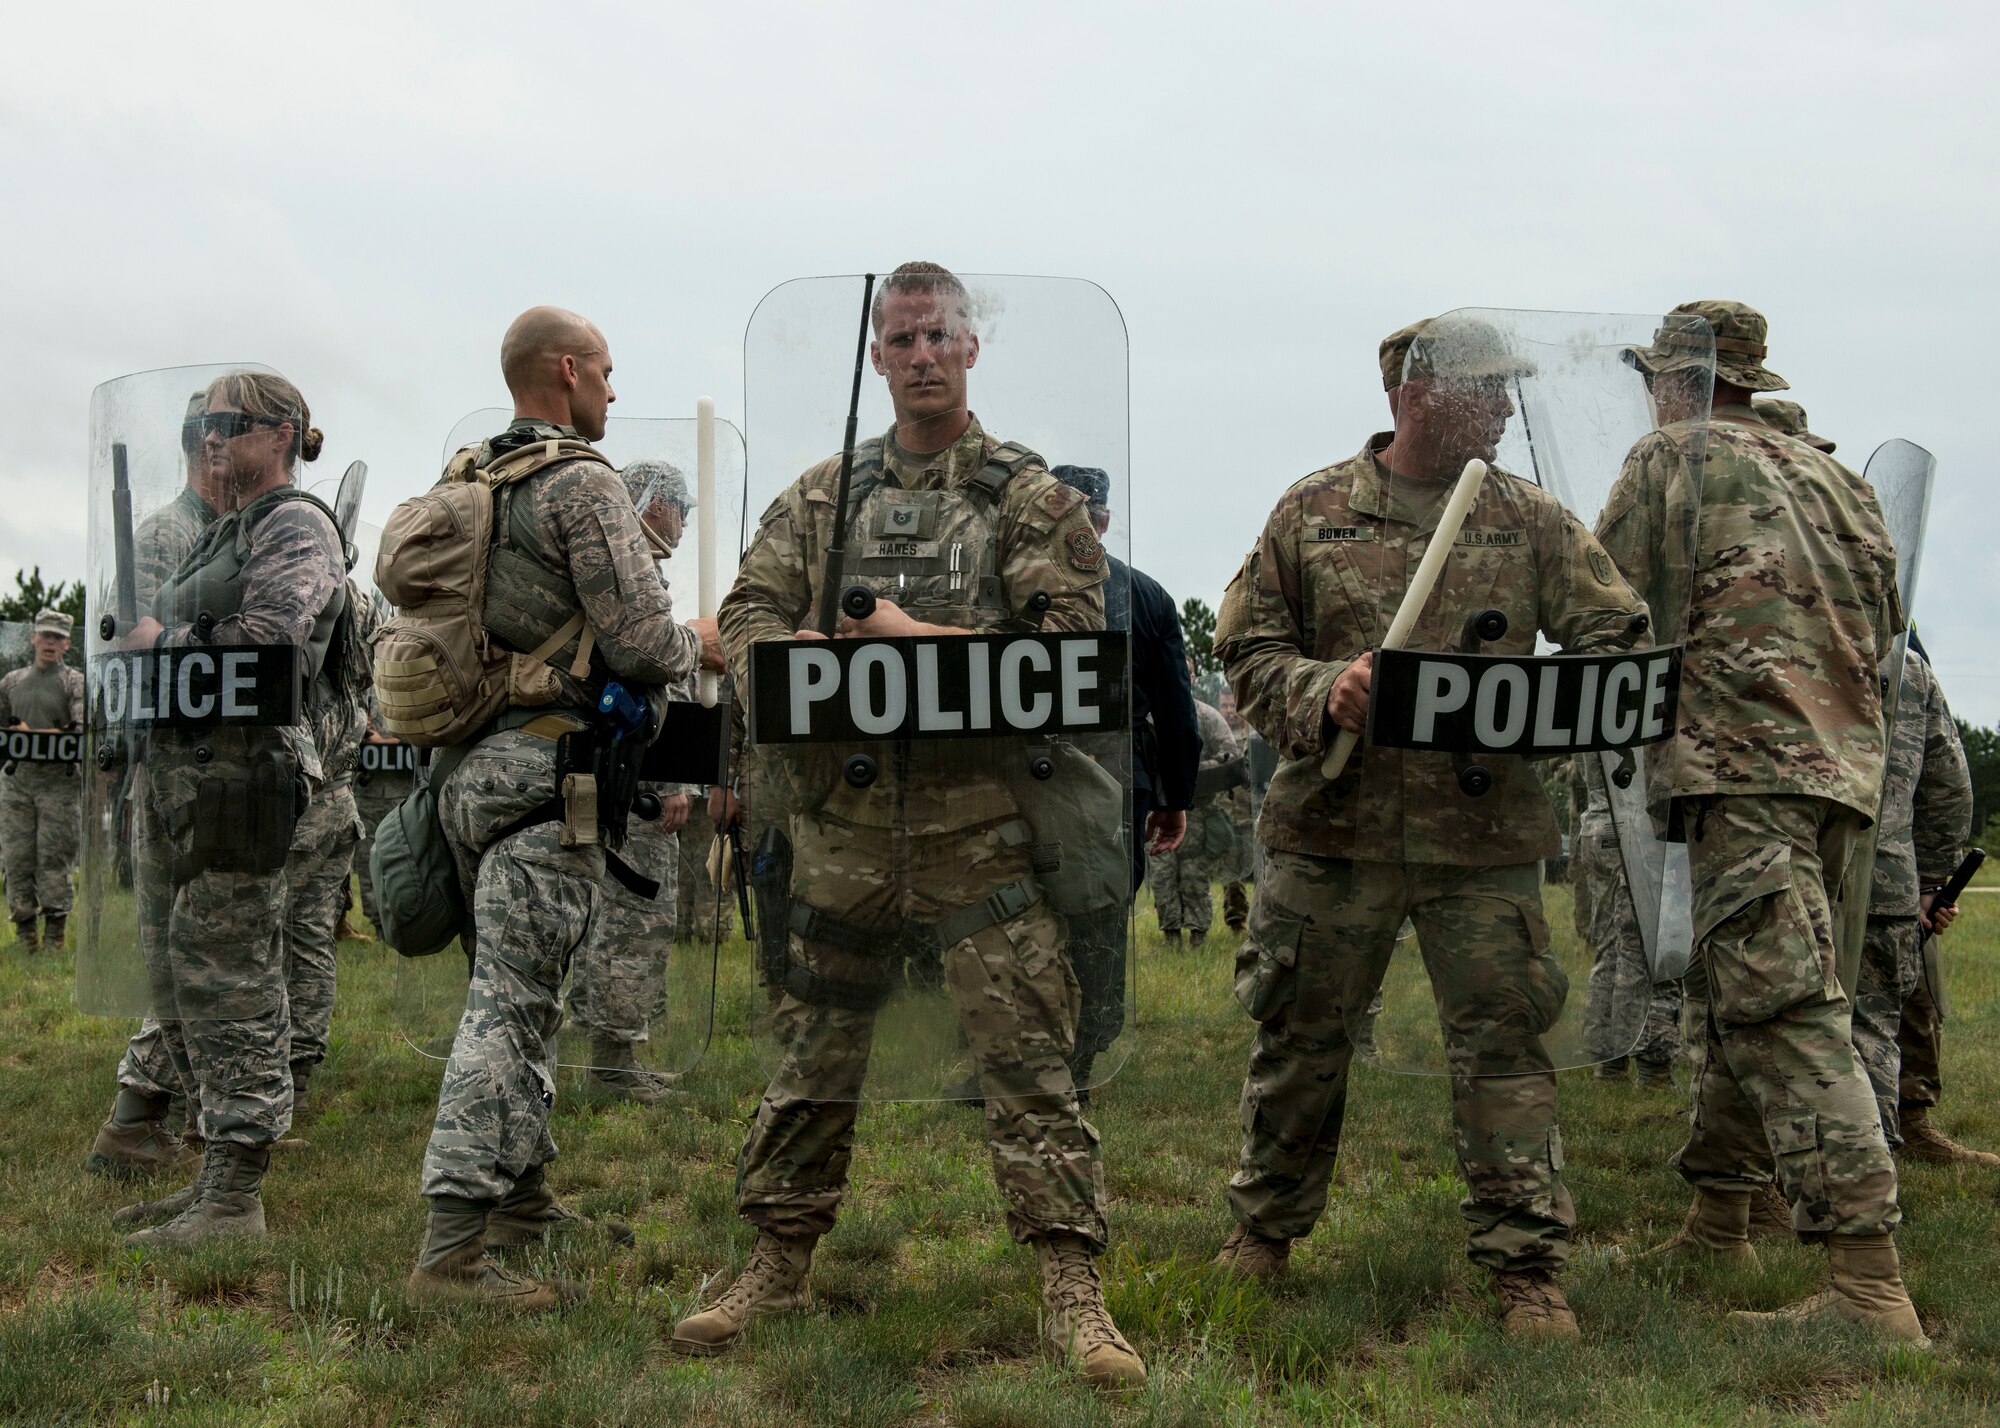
(1341, 872)
(1183, 877)
(973, 894)
(1776, 769)
(40, 804)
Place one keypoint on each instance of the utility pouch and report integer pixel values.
(579, 821)
(241, 821)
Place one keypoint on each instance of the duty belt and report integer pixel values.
(916, 940)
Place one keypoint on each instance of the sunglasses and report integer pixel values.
(226, 425)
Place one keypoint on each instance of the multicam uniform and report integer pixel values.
(1340, 873)
(1775, 771)
(1621, 979)
(947, 820)
(533, 899)
(1183, 880)
(41, 804)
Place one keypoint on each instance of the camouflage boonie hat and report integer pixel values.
(1094, 483)
(1790, 418)
(1463, 347)
(650, 481)
(1736, 333)
(52, 622)
(1395, 347)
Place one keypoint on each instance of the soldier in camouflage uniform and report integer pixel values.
(576, 546)
(1242, 804)
(618, 981)
(1621, 980)
(209, 899)
(1789, 595)
(1017, 996)
(1341, 871)
(137, 1137)
(1183, 879)
(375, 793)
(41, 808)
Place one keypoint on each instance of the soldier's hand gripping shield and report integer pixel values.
(1504, 639)
(628, 1002)
(939, 793)
(190, 751)
(1901, 473)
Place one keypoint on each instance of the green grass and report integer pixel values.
(926, 1312)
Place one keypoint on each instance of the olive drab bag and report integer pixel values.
(440, 676)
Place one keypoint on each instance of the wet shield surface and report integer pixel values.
(939, 813)
(1526, 656)
(627, 987)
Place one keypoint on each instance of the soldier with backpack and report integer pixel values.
(525, 589)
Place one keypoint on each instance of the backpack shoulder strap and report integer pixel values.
(1008, 460)
(532, 460)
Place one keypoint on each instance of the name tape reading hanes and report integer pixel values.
(38, 746)
(197, 687)
(1508, 704)
(938, 687)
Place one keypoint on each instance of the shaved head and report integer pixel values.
(557, 365)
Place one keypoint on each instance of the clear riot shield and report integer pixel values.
(1901, 473)
(1504, 639)
(624, 988)
(185, 765)
(939, 818)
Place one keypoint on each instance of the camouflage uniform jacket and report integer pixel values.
(1320, 588)
(1786, 588)
(1926, 797)
(42, 699)
(1044, 543)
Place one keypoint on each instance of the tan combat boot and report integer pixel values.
(530, 1214)
(1771, 1214)
(1253, 1256)
(616, 1072)
(1531, 1306)
(1867, 1290)
(1078, 1324)
(1717, 1227)
(227, 1205)
(134, 1139)
(773, 1282)
(454, 1268)
(55, 929)
(1924, 1141)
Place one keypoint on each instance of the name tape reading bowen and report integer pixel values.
(196, 688)
(1507, 704)
(38, 746)
(938, 687)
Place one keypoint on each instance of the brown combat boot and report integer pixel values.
(1867, 1290)
(134, 1140)
(1531, 1306)
(346, 931)
(454, 1268)
(1717, 1228)
(1924, 1141)
(1771, 1214)
(1079, 1325)
(615, 1072)
(227, 1204)
(773, 1282)
(55, 929)
(1253, 1256)
(530, 1214)
(24, 934)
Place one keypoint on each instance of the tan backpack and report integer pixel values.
(440, 677)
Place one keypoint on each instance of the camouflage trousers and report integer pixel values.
(532, 902)
(698, 916)
(214, 951)
(1892, 969)
(150, 1063)
(1322, 931)
(1017, 1001)
(374, 795)
(316, 886)
(618, 982)
(41, 821)
(1920, 1039)
(1182, 883)
(1626, 1014)
(1776, 1076)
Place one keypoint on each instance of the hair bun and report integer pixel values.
(311, 444)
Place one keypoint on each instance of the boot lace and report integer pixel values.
(769, 1267)
(1079, 1294)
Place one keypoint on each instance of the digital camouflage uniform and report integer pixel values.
(946, 824)
(1791, 604)
(1342, 871)
(213, 935)
(41, 807)
(699, 917)
(533, 899)
(1621, 980)
(1183, 881)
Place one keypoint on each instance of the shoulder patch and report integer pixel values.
(1086, 553)
(1600, 564)
(1059, 500)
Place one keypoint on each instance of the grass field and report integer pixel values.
(927, 1313)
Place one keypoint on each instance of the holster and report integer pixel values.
(240, 821)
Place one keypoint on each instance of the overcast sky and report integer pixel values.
(364, 195)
